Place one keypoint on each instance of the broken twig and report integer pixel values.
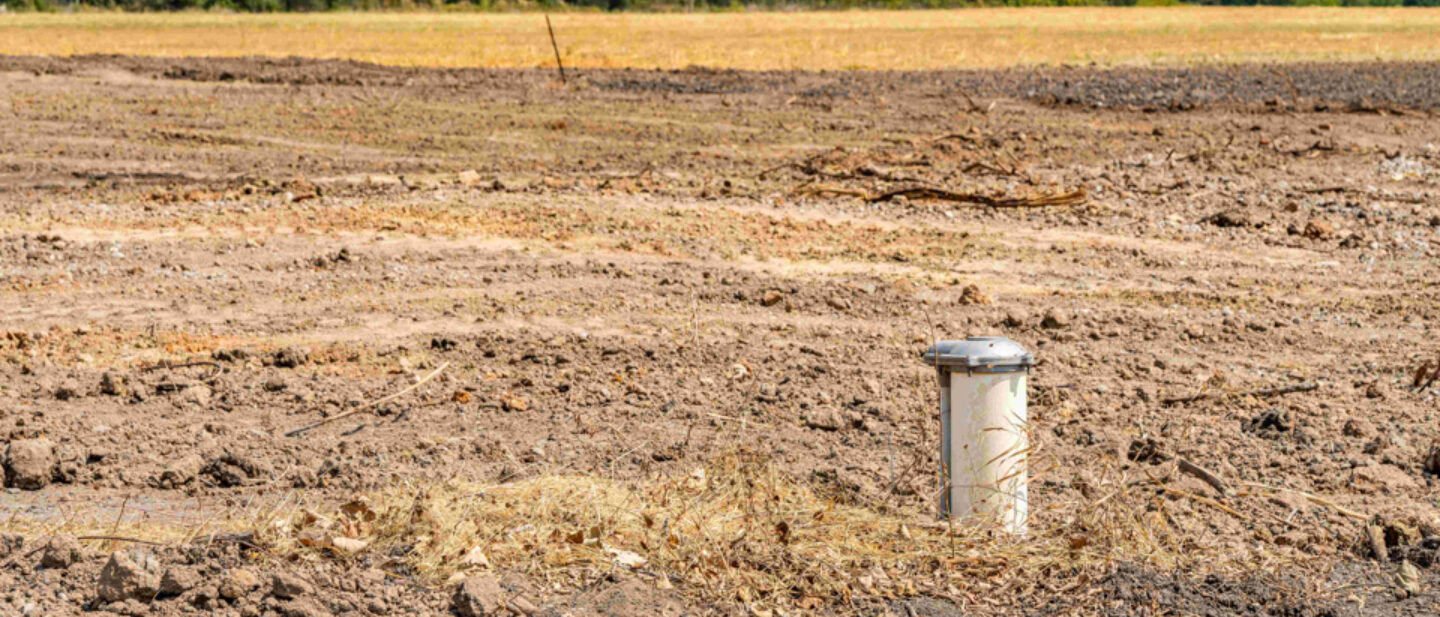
(167, 365)
(1263, 393)
(120, 539)
(1313, 498)
(170, 386)
(1204, 474)
(367, 406)
(1205, 500)
(1071, 198)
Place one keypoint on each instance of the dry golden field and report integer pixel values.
(973, 38)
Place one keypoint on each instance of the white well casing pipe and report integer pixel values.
(984, 446)
(984, 442)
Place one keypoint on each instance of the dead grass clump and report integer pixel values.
(737, 529)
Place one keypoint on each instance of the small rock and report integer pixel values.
(771, 298)
(237, 583)
(61, 552)
(1054, 319)
(468, 177)
(1270, 420)
(478, 596)
(178, 580)
(230, 355)
(302, 608)
(198, 395)
(1431, 464)
(1355, 241)
(476, 558)
(838, 303)
(857, 421)
(131, 574)
(10, 543)
(1319, 229)
(1014, 319)
(824, 420)
(226, 474)
(180, 472)
(514, 403)
(1373, 391)
(1376, 445)
(291, 357)
(1228, 218)
(29, 463)
(68, 390)
(288, 586)
(972, 295)
(112, 384)
(1357, 427)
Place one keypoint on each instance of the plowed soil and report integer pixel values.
(639, 270)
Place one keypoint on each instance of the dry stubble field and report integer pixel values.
(668, 336)
(872, 40)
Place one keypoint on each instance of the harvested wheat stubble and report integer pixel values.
(884, 40)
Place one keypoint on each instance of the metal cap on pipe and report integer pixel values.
(980, 354)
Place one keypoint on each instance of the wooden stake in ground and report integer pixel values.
(555, 47)
(366, 406)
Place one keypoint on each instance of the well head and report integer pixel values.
(977, 354)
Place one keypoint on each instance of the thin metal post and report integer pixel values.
(556, 48)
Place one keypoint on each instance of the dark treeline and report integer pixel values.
(638, 5)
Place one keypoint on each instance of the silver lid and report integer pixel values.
(995, 354)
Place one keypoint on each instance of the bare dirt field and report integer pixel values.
(666, 329)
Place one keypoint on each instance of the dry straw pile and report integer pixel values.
(736, 530)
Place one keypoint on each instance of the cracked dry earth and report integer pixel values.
(632, 274)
